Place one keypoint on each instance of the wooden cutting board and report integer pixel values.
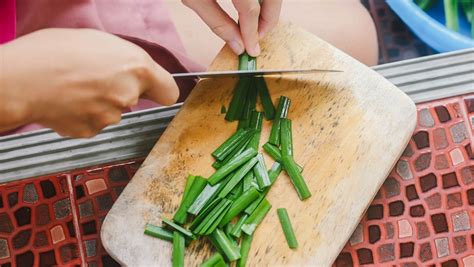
(349, 129)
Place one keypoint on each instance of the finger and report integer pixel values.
(249, 12)
(269, 15)
(219, 22)
(161, 86)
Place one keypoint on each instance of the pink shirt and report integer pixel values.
(146, 23)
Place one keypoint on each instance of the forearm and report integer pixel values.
(15, 109)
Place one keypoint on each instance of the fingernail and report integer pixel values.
(236, 47)
(255, 51)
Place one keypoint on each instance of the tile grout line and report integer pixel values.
(76, 219)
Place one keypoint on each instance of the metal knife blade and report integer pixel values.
(243, 73)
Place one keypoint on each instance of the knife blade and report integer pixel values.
(243, 73)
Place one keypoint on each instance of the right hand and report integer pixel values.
(76, 81)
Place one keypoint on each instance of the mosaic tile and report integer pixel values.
(421, 139)
(386, 252)
(375, 212)
(104, 202)
(41, 240)
(410, 192)
(4, 250)
(96, 185)
(454, 200)
(57, 234)
(357, 236)
(423, 162)
(434, 201)
(23, 216)
(440, 139)
(458, 132)
(374, 234)
(461, 221)
(118, 174)
(404, 229)
(25, 259)
(442, 247)
(449, 180)
(408, 152)
(443, 114)
(422, 230)
(365, 256)
(68, 252)
(468, 261)
(439, 223)
(47, 258)
(392, 187)
(456, 156)
(403, 169)
(62, 208)
(91, 248)
(450, 263)
(459, 244)
(407, 249)
(42, 215)
(428, 182)
(21, 239)
(470, 196)
(417, 211)
(425, 118)
(12, 199)
(6, 225)
(86, 209)
(48, 189)
(389, 230)
(396, 208)
(441, 162)
(467, 175)
(29, 193)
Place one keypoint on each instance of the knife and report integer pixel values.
(243, 73)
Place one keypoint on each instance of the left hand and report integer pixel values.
(254, 21)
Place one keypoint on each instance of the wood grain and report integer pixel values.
(349, 129)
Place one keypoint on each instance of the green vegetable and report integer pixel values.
(256, 123)
(237, 103)
(425, 4)
(244, 250)
(233, 164)
(260, 172)
(272, 174)
(267, 103)
(203, 214)
(223, 109)
(287, 228)
(282, 112)
(238, 176)
(256, 217)
(237, 151)
(187, 186)
(237, 229)
(249, 181)
(213, 260)
(178, 228)
(204, 197)
(451, 14)
(230, 144)
(250, 105)
(213, 218)
(239, 205)
(225, 246)
(178, 249)
(289, 163)
(159, 232)
(199, 183)
(275, 153)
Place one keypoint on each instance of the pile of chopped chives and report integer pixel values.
(228, 206)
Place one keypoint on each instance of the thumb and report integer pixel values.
(162, 87)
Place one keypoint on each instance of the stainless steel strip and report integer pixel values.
(44, 152)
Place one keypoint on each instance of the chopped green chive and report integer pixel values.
(260, 172)
(204, 197)
(230, 144)
(239, 205)
(225, 246)
(289, 163)
(178, 249)
(199, 183)
(267, 103)
(159, 232)
(178, 228)
(237, 151)
(238, 176)
(233, 164)
(256, 217)
(287, 228)
(213, 260)
(282, 112)
(275, 153)
(237, 229)
(244, 250)
(237, 103)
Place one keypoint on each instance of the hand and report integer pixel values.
(76, 81)
(254, 21)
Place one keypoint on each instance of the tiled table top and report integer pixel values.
(423, 214)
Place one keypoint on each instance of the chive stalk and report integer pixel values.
(213, 260)
(256, 123)
(275, 153)
(239, 205)
(244, 250)
(234, 112)
(187, 186)
(287, 228)
(237, 151)
(178, 228)
(203, 214)
(178, 249)
(260, 172)
(272, 174)
(158, 232)
(264, 94)
(238, 176)
(213, 218)
(289, 163)
(237, 229)
(196, 188)
(256, 217)
(230, 144)
(249, 181)
(233, 164)
(451, 14)
(220, 240)
(204, 197)
(282, 112)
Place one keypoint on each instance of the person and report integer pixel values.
(64, 71)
